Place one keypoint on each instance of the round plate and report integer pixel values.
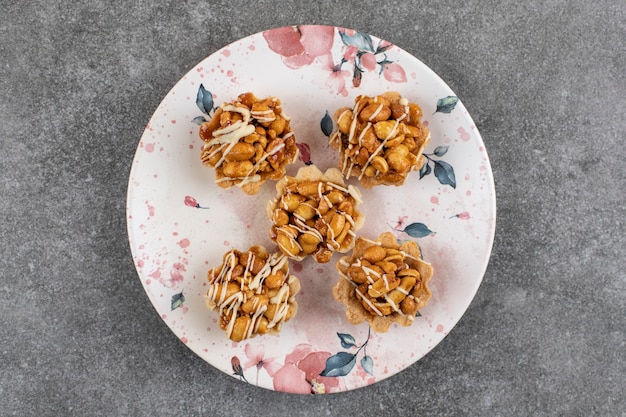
(180, 223)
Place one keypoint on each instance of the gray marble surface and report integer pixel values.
(545, 83)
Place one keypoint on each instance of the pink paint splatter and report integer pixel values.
(229, 73)
(425, 123)
(226, 52)
(140, 263)
(150, 147)
(226, 243)
(150, 209)
(439, 328)
(464, 135)
(184, 243)
(297, 267)
(184, 340)
(176, 275)
(434, 200)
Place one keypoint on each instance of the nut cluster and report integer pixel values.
(314, 214)
(380, 139)
(248, 141)
(383, 282)
(253, 292)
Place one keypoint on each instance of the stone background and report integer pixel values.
(545, 83)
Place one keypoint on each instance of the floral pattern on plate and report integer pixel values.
(180, 223)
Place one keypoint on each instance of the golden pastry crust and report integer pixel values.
(315, 214)
(253, 292)
(248, 142)
(383, 282)
(380, 139)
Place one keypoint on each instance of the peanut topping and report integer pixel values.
(314, 214)
(247, 142)
(382, 282)
(253, 292)
(369, 137)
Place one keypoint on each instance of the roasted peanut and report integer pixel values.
(397, 161)
(287, 243)
(386, 121)
(305, 210)
(307, 248)
(240, 152)
(308, 188)
(374, 254)
(375, 112)
(237, 169)
(290, 202)
(275, 280)
(380, 164)
(383, 286)
(278, 125)
(280, 217)
(344, 120)
(408, 306)
(336, 225)
(240, 328)
(385, 129)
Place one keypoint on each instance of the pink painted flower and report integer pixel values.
(304, 153)
(190, 201)
(237, 369)
(336, 81)
(400, 223)
(300, 45)
(393, 72)
(176, 276)
(368, 61)
(463, 216)
(301, 372)
(256, 357)
(350, 53)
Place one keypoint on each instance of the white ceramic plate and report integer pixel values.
(180, 223)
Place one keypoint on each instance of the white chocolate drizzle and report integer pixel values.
(230, 307)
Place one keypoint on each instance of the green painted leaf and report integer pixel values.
(198, 120)
(204, 100)
(362, 41)
(425, 170)
(445, 173)
(347, 341)
(441, 150)
(339, 364)
(446, 104)
(367, 363)
(418, 230)
(327, 124)
(177, 300)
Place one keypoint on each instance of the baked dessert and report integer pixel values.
(380, 139)
(315, 214)
(248, 142)
(383, 282)
(253, 292)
